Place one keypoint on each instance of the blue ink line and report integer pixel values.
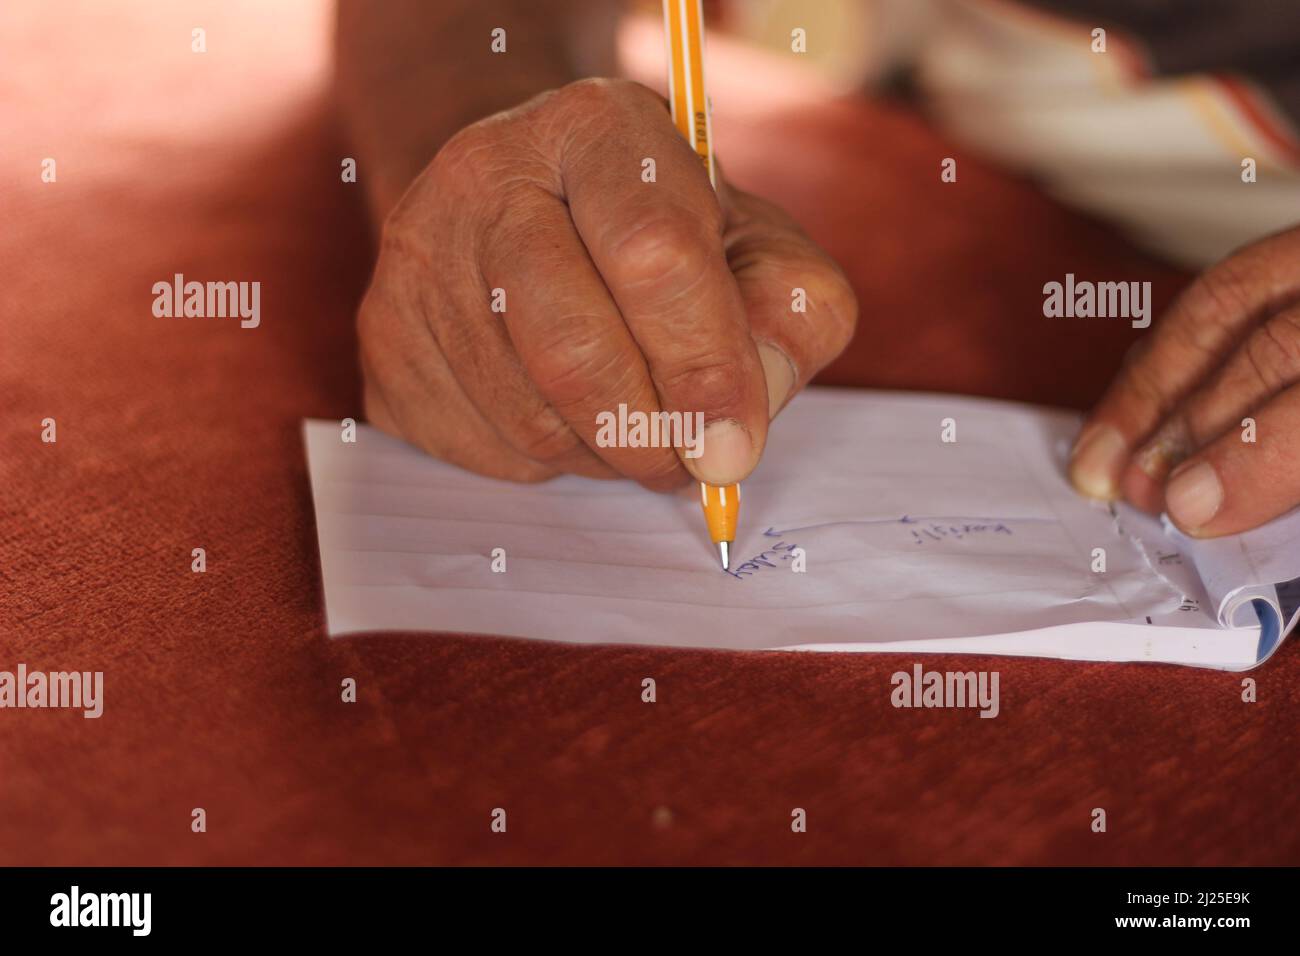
(906, 519)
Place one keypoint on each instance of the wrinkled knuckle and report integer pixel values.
(581, 101)
(706, 384)
(588, 90)
(659, 251)
(574, 366)
(1287, 328)
(1226, 289)
(1274, 352)
(467, 157)
(596, 93)
(1198, 338)
(1284, 329)
(469, 141)
(518, 224)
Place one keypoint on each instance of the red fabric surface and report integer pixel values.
(222, 691)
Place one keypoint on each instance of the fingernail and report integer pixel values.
(1096, 461)
(727, 454)
(1171, 444)
(779, 372)
(1194, 496)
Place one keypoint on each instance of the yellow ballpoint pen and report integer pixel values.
(684, 28)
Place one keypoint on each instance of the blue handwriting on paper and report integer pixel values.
(778, 552)
(922, 531)
(925, 529)
(936, 531)
(905, 520)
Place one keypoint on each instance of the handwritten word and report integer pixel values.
(947, 520)
(944, 532)
(778, 552)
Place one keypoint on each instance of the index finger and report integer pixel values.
(658, 246)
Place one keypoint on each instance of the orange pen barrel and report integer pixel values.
(721, 507)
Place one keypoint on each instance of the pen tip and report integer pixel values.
(726, 558)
